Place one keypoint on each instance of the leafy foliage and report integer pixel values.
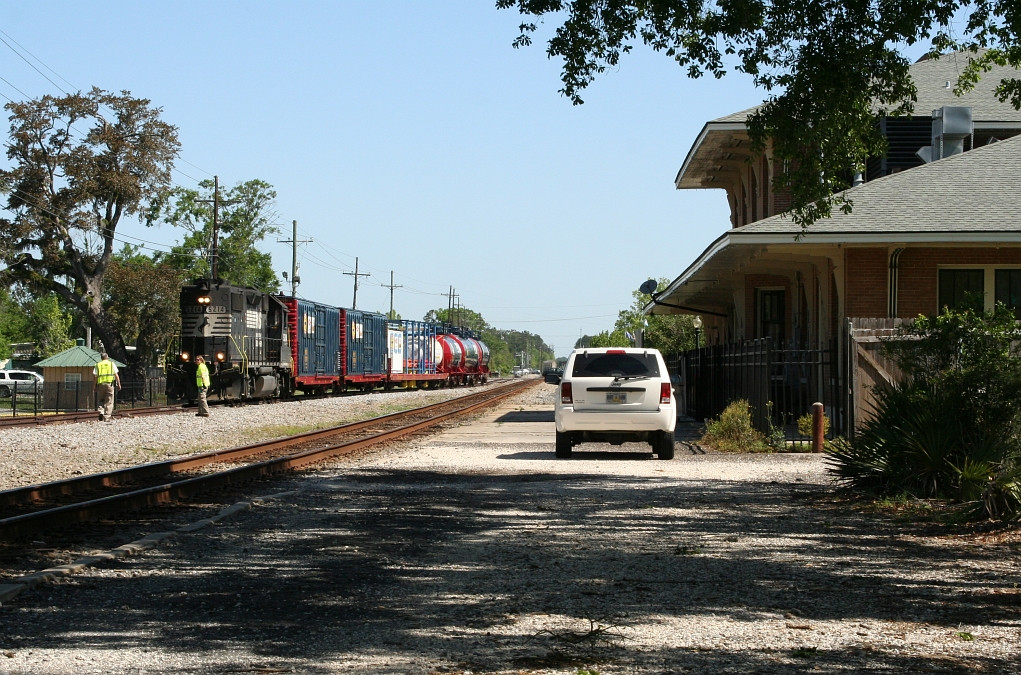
(244, 216)
(806, 424)
(42, 321)
(829, 66)
(669, 333)
(49, 326)
(951, 429)
(75, 175)
(508, 348)
(732, 431)
(143, 296)
(13, 323)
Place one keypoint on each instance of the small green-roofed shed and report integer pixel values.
(70, 374)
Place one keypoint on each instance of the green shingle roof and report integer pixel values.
(75, 357)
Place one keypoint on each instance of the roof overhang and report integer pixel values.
(717, 144)
(708, 283)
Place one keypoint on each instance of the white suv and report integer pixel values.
(615, 395)
(22, 381)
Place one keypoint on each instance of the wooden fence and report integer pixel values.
(868, 364)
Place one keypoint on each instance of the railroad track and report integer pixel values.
(89, 498)
(29, 419)
(39, 419)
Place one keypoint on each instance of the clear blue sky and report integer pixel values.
(412, 135)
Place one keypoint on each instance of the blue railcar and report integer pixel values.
(316, 333)
(263, 345)
(363, 343)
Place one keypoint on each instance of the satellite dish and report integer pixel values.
(649, 287)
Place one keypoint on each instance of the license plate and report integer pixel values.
(616, 397)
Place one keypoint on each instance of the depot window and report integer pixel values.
(967, 288)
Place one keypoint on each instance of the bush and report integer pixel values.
(805, 425)
(733, 431)
(952, 428)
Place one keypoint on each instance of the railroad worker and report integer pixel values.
(107, 377)
(202, 382)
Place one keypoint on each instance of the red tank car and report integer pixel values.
(464, 359)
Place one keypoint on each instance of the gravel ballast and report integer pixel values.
(475, 550)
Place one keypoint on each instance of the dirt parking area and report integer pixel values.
(475, 550)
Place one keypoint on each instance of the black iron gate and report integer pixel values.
(780, 384)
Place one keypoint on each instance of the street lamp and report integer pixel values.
(697, 325)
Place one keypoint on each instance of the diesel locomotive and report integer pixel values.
(259, 345)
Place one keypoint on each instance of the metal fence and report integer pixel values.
(64, 397)
(780, 384)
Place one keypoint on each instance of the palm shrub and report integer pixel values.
(951, 429)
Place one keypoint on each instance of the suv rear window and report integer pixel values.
(615, 365)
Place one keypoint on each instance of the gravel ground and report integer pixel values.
(30, 455)
(476, 551)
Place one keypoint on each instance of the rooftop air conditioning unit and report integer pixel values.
(950, 126)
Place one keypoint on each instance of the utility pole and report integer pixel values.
(214, 253)
(450, 306)
(216, 226)
(391, 287)
(355, 274)
(454, 316)
(294, 241)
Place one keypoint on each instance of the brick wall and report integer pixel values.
(866, 273)
(867, 276)
(918, 287)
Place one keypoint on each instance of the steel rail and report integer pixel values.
(83, 416)
(17, 526)
(43, 492)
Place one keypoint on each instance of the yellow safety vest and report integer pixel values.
(104, 372)
(202, 375)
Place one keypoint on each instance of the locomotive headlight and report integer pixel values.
(204, 300)
(220, 356)
(185, 356)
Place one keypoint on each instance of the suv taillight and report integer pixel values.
(664, 392)
(566, 394)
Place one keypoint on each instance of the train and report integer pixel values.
(260, 345)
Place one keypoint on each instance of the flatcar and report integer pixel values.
(259, 345)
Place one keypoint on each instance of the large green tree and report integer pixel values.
(243, 216)
(669, 333)
(144, 296)
(507, 348)
(79, 164)
(828, 67)
(49, 326)
(13, 323)
(459, 317)
(42, 322)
